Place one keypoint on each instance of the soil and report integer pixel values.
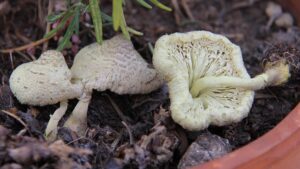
(147, 138)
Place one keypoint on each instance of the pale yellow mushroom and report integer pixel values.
(207, 79)
(116, 66)
(43, 82)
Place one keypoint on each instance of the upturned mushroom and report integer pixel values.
(116, 66)
(207, 79)
(43, 82)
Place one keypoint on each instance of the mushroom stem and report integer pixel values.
(78, 119)
(276, 75)
(205, 83)
(51, 129)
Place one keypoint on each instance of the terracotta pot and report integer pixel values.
(277, 149)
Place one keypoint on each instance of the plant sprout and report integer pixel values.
(70, 19)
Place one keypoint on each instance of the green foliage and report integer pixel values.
(70, 19)
(72, 28)
(97, 19)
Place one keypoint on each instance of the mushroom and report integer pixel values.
(43, 82)
(273, 11)
(285, 21)
(116, 66)
(207, 79)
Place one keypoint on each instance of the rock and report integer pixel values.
(205, 148)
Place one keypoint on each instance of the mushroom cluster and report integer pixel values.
(208, 82)
(275, 14)
(115, 65)
(207, 79)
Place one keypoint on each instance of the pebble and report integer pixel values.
(205, 148)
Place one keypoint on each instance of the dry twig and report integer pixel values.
(24, 47)
(15, 117)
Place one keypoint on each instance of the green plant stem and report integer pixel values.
(144, 4)
(97, 20)
(160, 5)
(117, 14)
(124, 26)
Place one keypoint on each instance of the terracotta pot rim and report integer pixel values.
(268, 148)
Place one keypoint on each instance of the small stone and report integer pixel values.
(207, 147)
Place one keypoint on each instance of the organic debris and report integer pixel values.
(29, 152)
(151, 150)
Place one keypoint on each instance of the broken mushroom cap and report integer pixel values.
(44, 81)
(116, 66)
(207, 79)
(183, 58)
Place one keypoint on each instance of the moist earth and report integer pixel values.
(136, 131)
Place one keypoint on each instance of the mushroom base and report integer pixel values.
(51, 129)
(77, 122)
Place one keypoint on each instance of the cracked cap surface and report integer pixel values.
(115, 65)
(44, 81)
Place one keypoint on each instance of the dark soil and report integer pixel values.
(147, 138)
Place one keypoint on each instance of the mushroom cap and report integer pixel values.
(44, 81)
(182, 58)
(273, 10)
(285, 20)
(115, 65)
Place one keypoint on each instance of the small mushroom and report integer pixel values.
(43, 82)
(285, 21)
(207, 79)
(116, 66)
(273, 11)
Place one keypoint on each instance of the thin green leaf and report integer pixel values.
(117, 14)
(54, 17)
(77, 21)
(124, 26)
(161, 6)
(61, 25)
(144, 4)
(71, 29)
(135, 32)
(106, 17)
(97, 20)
